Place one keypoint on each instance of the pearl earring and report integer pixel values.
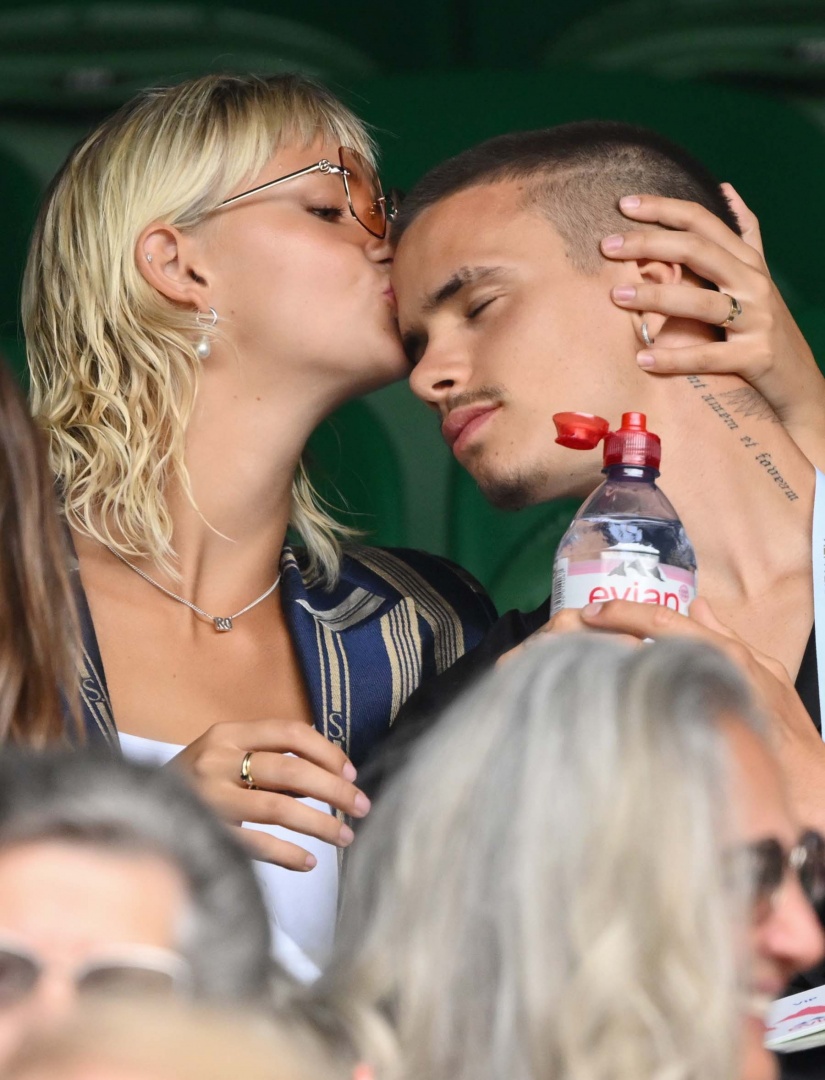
(204, 346)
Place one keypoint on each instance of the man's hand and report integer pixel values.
(796, 742)
(290, 761)
(763, 345)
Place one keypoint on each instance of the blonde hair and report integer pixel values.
(543, 892)
(114, 371)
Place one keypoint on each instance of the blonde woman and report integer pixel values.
(209, 279)
(583, 872)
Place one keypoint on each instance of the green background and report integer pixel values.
(739, 84)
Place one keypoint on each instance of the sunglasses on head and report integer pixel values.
(769, 863)
(134, 969)
(368, 204)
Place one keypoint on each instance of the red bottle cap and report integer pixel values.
(633, 444)
(580, 431)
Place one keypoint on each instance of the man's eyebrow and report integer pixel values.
(467, 275)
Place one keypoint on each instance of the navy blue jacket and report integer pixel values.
(395, 618)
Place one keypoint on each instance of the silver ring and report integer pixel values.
(246, 773)
(735, 310)
(648, 340)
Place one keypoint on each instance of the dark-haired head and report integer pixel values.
(37, 624)
(576, 174)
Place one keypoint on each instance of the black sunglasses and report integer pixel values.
(769, 863)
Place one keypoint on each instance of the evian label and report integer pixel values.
(576, 584)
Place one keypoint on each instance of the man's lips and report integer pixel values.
(462, 420)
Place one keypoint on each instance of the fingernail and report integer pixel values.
(612, 243)
(624, 292)
(362, 804)
(645, 359)
(630, 202)
(350, 772)
(345, 836)
(591, 609)
(311, 862)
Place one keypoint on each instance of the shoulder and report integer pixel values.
(431, 582)
(444, 602)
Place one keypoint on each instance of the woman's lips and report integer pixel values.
(462, 423)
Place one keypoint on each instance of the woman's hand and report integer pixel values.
(796, 742)
(290, 761)
(763, 345)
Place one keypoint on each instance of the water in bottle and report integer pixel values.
(626, 542)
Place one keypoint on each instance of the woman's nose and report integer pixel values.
(378, 250)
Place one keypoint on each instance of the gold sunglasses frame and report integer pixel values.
(328, 168)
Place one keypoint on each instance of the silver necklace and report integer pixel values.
(222, 623)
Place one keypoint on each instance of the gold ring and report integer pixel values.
(246, 774)
(735, 309)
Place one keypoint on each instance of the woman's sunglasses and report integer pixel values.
(136, 969)
(367, 202)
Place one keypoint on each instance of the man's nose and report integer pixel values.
(441, 373)
(792, 934)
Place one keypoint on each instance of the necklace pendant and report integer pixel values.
(222, 624)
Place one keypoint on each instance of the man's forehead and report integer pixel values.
(483, 226)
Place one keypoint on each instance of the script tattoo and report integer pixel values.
(749, 403)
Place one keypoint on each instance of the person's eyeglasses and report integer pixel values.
(367, 202)
(135, 969)
(769, 863)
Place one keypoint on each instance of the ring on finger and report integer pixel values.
(246, 773)
(735, 310)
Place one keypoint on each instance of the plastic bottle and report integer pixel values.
(626, 542)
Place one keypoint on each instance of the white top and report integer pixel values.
(302, 906)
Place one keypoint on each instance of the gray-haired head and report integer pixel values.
(117, 805)
(542, 893)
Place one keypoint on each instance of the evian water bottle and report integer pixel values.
(626, 542)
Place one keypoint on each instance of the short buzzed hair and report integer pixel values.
(576, 175)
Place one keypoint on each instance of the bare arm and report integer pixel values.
(795, 741)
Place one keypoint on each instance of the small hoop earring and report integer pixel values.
(204, 346)
(646, 338)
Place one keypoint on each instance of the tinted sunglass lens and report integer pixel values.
(767, 871)
(812, 870)
(127, 980)
(18, 977)
(364, 190)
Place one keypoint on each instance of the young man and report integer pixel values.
(506, 313)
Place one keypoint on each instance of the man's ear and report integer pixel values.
(653, 272)
(166, 259)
